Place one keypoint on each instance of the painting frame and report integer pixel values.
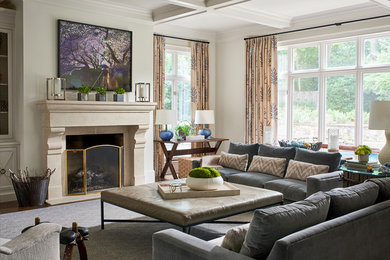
(101, 71)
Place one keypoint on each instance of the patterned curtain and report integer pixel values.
(261, 87)
(199, 80)
(158, 95)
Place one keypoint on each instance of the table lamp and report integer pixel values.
(165, 117)
(204, 117)
(380, 120)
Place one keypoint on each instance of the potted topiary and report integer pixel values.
(83, 93)
(363, 152)
(204, 178)
(101, 94)
(119, 94)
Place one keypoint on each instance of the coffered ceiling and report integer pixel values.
(223, 15)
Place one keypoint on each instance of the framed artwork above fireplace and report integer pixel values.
(94, 56)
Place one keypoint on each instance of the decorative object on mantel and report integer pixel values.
(333, 140)
(165, 117)
(29, 190)
(380, 120)
(204, 178)
(55, 88)
(204, 117)
(83, 93)
(94, 55)
(119, 95)
(301, 144)
(101, 94)
(184, 129)
(363, 152)
(142, 92)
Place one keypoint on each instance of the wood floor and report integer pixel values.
(12, 206)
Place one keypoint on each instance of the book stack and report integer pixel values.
(360, 166)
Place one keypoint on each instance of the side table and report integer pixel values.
(353, 177)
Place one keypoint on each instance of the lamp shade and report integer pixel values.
(165, 117)
(379, 115)
(204, 117)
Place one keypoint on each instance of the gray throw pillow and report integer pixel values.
(239, 148)
(347, 200)
(270, 224)
(384, 188)
(322, 158)
(278, 152)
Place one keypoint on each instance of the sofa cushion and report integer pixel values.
(255, 179)
(227, 172)
(277, 152)
(292, 189)
(235, 161)
(235, 237)
(271, 224)
(240, 148)
(384, 188)
(322, 158)
(269, 165)
(301, 170)
(346, 200)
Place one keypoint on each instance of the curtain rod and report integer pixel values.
(179, 38)
(320, 26)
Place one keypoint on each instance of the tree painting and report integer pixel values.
(94, 56)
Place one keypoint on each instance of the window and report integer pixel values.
(330, 84)
(177, 90)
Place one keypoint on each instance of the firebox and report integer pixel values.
(93, 163)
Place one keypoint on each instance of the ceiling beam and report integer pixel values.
(195, 4)
(258, 17)
(172, 12)
(383, 3)
(221, 3)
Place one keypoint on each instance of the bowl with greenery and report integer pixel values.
(204, 178)
(101, 94)
(363, 152)
(119, 94)
(83, 93)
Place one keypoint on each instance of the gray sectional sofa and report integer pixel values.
(344, 223)
(292, 189)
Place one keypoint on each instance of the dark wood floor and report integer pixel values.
(12, 206)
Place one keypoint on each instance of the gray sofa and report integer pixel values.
(356, 227)
(292, 189)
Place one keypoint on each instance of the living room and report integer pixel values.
(359, 74)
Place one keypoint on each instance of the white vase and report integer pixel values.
(204, 183)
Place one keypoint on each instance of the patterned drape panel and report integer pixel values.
(261, 87)
(199, 79)
(158, 95)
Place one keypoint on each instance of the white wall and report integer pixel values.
(230, 77)
(40, 61)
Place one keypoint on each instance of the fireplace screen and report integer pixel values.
(93, 169)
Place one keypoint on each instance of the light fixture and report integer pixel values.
(165, 117)
(380, 120)
(204, 117)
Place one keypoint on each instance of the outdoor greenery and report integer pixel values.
(204, 172)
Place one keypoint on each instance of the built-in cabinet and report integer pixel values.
(9, 147)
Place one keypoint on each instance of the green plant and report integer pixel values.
(101, 90)
(84, 89)
(120, 91)
(363, 150)
(184, 128)
(204, 172)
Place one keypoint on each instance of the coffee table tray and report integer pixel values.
(226, 189)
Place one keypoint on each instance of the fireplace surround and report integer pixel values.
(70, 118)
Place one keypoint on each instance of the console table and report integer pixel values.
(175, 152)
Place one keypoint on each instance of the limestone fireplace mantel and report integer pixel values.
(61, 118)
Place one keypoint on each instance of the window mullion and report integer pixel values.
(322, 94)
(290, 94)
(359, 94)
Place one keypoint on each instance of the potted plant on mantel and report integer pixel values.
(119, 94)
(83, 93)
(101, 94)
(363, 152)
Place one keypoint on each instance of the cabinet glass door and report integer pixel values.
(4, 115)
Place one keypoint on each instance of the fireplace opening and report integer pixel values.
(93, 163)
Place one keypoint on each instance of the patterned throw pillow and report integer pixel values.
(235, 237)
(269, 165)
(234, 161)
(301, 170)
